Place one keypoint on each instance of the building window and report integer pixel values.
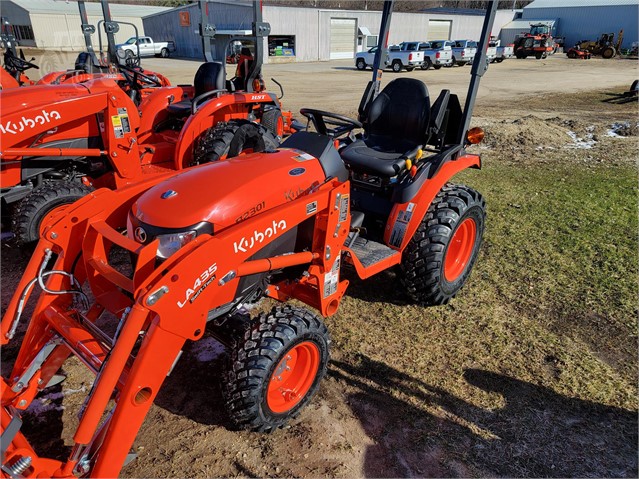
(281, 45)
(23, 32)
(371, 41)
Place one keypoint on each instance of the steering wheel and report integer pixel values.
(132, 73)
(18, 63)
(320, 119)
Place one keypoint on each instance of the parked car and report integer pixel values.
(464, 51)
(404, 56)
(437, 54)
(148, 47)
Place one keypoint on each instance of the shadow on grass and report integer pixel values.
(420, 430)
(384, 287)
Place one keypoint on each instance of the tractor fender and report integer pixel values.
(223, 108)
(7, 81)
(153, 108)
(406, 216)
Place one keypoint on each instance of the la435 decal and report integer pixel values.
(200, 283)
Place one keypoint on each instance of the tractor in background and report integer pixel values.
(62, 140)
(12, 75)
(605, 46)
(537, 42)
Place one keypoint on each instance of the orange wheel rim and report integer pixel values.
(460, 249)
(280, 126)
(293, 377)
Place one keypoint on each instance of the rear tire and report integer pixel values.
(275, 369)
(397, 66)
(273, 121)
(437, 67)
(439, 258)
(572, 54)
(227, 140)
(164, 53)
(28, 216)
(608, 52)
(360, 64)
(426, 65)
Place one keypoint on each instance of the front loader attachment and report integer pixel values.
(127, 321)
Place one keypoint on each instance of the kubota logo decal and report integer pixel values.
(15, 128)
(258, 237)
(200, 284)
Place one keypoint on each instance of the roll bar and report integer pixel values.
(480, 65)
(215, 42)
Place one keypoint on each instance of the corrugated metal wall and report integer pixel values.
(188, 43)
(62, 31)
(311, 27)
(579, 23)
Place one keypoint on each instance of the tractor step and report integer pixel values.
(370, 252)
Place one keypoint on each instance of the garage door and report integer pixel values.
(342, 38)
(438, 30)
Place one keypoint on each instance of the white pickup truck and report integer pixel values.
(148, 47)
(464, 52)
(504, 52)
(404, 56)
(437, 54)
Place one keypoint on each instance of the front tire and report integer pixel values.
(360, 64)
(40, 203)
(276, 368)
(608, 53)
(439, 258)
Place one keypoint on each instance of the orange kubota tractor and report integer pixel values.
(279, 223)
(61, 141)
(537, 42)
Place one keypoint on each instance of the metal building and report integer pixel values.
(314, 34)
(50, 24)
(579, 19)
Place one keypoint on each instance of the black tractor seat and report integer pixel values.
(209, 77)
(396, 124)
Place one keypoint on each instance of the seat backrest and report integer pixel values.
(401, 111)
(83, 62)
(438, 119)
(210, 76)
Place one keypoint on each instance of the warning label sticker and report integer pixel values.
(120, 123)
(331, 279)
(343, 208)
